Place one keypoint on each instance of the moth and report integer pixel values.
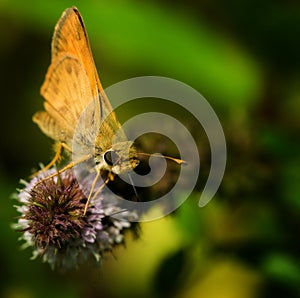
(72, 90)
(77, 111)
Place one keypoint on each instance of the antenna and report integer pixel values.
(177, 160)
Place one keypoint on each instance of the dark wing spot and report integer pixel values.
(69, 68)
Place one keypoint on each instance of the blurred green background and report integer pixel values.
(244, 57)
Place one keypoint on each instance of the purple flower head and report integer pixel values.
(52, 221)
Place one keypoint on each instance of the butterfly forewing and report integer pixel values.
(67, 94)
(70, 38)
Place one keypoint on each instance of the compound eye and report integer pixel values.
(111, 157)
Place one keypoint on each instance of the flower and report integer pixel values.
(53, 222)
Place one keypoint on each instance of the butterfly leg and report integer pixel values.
(92, 190)
(67, 167)
(57, 156)
(110, 177)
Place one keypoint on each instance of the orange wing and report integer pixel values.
(67, 95)
(72, 85)
(70, 38)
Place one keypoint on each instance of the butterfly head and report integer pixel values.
(120, 158)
